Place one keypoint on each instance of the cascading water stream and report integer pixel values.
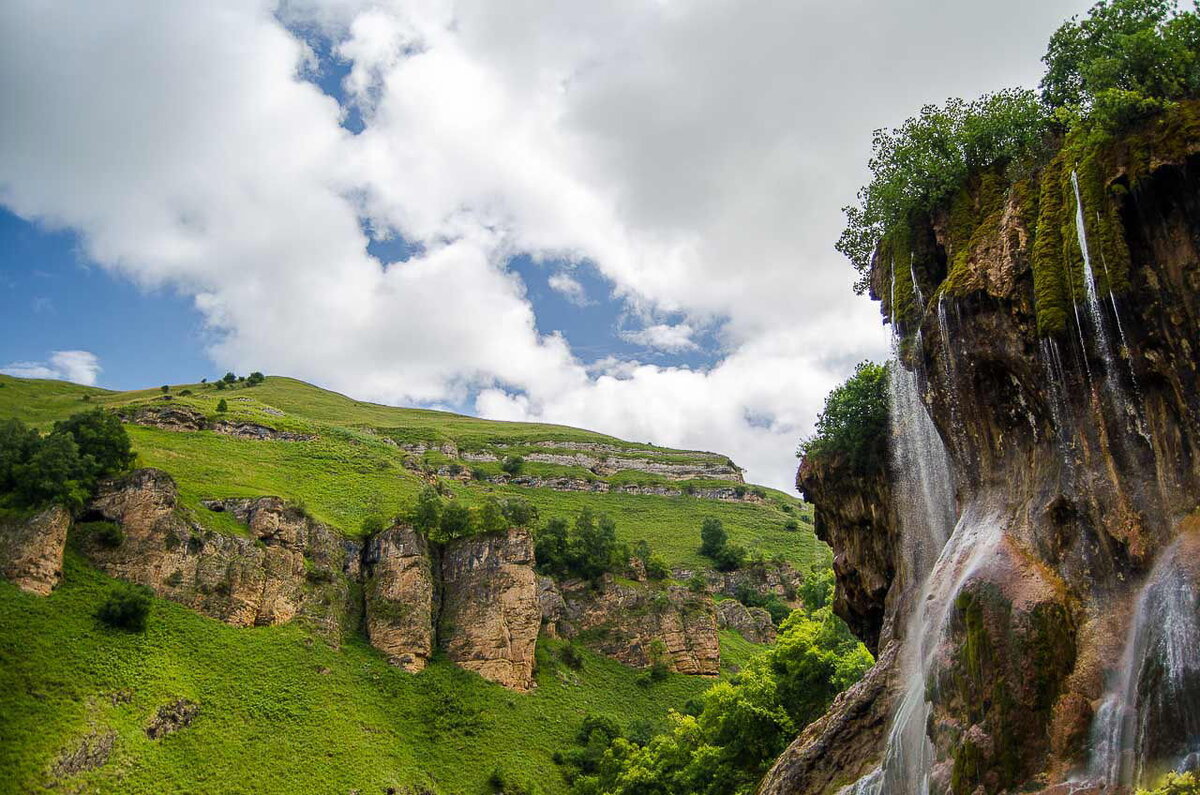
(924, 489)
(1152, 711)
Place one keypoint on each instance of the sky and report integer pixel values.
(616, 215)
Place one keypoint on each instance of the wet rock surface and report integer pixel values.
(1082, 447)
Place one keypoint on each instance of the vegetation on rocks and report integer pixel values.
(1125, 72)
(854, 423)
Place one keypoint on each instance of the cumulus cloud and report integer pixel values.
(664, 337)
(81, 367)
(569, 287)
(696, 154)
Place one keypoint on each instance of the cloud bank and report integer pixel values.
(695, 153)
(81, 367)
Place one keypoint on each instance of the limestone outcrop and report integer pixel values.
(31, 549)
(183, 418)
(288, 566)
(637, 624)
(752, 623)
(490, 614)
(400, 593)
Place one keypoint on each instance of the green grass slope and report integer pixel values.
(280, 711)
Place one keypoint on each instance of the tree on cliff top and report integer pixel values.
(1124, 61)
(854, 424)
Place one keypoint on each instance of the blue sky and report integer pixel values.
(615, 216)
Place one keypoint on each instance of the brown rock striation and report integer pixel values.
(490, 614)
(31, 549)
(637, 624)
(401, 595)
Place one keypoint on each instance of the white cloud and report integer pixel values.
(671, 338)
(697, 154)
(569, 287)
(81, 367)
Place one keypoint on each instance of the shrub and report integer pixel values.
(255, 379)
(572, 656)
(426, 514)
(222, 406)
(854, 423)
(489, 517)
(1176, 784)
(512, 464)
(791, 525)
(478, 474)
(229, 378)
(102, 441)
(729, 557)
(372, 525)
(165, 388)
(696, 583)
(455, 522)
(656, 567)
(220, 385)
(816, 591)
(712, 536)
(588, 549)
(520, 512)
(107, 534)
(126, 607)
(185, 393)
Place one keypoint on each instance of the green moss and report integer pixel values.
(1051, 300)
(895, 255)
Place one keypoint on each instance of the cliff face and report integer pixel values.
(401, 596)
(1073, 432)
(853, 515)
(288, 566)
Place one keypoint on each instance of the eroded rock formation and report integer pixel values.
(1073, 428)
(288, 566)
(31, 549)
(490, 614)
(401, 595)
(637, 624)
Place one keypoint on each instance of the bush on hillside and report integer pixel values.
(726, 741)
(513, 464)
(520, 512)
(1176, 784)
(64, 465)
(222, 406)
(255, 379)
(126, 607)
(587, 550)
(854, 424)
(712, 536)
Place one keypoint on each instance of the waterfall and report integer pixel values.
(1103, 345)
(1152, 710)
(937, 559)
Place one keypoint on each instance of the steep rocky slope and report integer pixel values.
(1049, 326)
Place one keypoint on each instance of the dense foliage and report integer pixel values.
(587, 549)
(738, 727)
(1176, 784)
(1123, 62)
(126, 607)
(443, 521)
(714, 543)
(64, 465)
(854, 424)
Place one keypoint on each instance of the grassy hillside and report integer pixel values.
(280, 711)
(351, 470)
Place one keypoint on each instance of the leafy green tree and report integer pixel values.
(455, 522)
(520, 512)
(222, 406)
(815, 658)
(255, 378)
(489, 517)
(54, 472)
(713, 537)
(854, 423)
(551, 544)
(229, 378)
(594, 549)
(165, 388)
(17, 443)
(729, 557)
(426, 515)
(1125, 58)
(103, 443)
(816, 591)
(513, 464)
